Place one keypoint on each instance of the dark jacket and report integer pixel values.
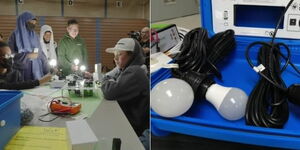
(14, 79)
(68, 50)
(130, 87)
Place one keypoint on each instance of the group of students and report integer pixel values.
(24, 63)
(28, 54)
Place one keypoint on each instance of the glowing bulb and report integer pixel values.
(171, 97)
(76, 61)
(230, 102)
(53, 63)
(82, 83)
(82, 68)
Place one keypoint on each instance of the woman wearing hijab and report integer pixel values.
(25, 43)
(47, 42)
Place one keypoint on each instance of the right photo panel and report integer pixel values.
(224, 74)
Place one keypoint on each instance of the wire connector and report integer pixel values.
(259, 68)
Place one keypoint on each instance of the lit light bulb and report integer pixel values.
(171, 97)
(230, 102)
(53, 63)
(82, 83)
(76, 62)
(82, 68)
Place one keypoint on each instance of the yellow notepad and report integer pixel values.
(40, 138)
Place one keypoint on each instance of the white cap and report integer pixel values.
(124, 44)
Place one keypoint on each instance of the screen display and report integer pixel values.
(168, 38)
(257, 16)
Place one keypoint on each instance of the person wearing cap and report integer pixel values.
(25, 44)
(71, 47)
(47, 42)
(128, 83)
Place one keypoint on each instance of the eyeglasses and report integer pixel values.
(8, 56)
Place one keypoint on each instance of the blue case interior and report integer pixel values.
(204, 121)
(10, 113)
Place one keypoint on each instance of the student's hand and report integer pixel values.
(45, 79)
(75, 68)
(32, 55)
(53, 71)
(3, 70)
(88, 75)
(146, 50)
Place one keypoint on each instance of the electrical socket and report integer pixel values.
(119, 4)
(293, 23)
(71, 2)
(20, 1)
(170, 2)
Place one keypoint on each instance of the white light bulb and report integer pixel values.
(82, 68)
(76, 61)
(82, 83)
(230, 102)
(53, 63)
(171, 97)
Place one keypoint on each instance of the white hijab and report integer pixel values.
(52, 53)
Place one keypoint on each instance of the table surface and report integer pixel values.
(107, 122)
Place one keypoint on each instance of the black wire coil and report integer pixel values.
(267, 104)
(199, 56)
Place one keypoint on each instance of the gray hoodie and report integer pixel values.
(130, 87)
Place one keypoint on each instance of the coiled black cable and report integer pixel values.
(199, 56)
(268, 102)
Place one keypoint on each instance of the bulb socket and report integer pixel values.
(293, 94)
(199, 82)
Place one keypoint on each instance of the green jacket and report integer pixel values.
(68, 50)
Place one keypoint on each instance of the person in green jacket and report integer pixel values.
(71, 47)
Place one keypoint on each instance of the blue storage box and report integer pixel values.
(9, 115)
(203, 120)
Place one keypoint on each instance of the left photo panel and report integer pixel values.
(74, 75)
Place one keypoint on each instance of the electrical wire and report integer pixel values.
(200, 53)
(61, 113)
(199, 56)
(268, 102)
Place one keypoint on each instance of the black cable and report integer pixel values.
(268, 102)
(181, 35)
(199, 56)
(56, 113)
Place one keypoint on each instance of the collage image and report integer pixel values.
(149, 74)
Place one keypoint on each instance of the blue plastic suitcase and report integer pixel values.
(203, 120)
(9, 115)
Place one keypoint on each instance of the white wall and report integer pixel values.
(81, 8)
